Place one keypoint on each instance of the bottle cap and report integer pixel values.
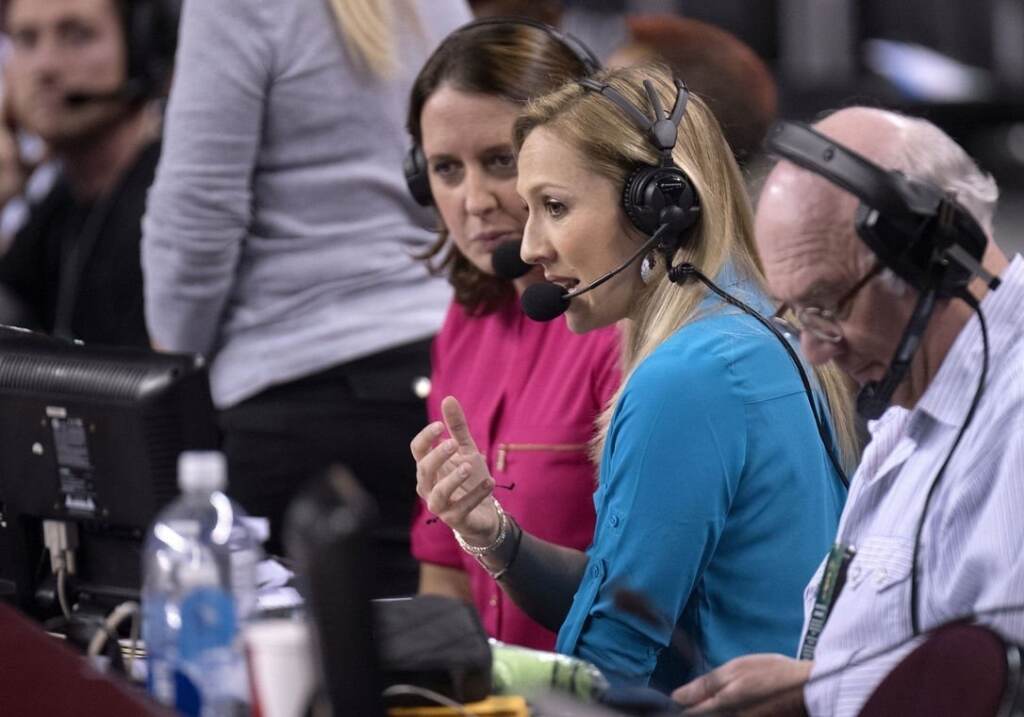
(202, 471)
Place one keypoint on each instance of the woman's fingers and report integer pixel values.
(451, 491)
(429, 468)
(425, 439)
(455, 419)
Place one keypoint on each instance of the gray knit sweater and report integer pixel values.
(278, 234)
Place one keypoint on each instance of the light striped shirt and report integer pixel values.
(972, 548)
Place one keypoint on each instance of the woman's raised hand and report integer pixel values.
(452, 477)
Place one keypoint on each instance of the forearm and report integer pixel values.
(200, 206)
(540, 577)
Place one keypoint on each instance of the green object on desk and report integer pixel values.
(523, 671)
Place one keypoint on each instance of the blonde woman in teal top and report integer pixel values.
(716, 497)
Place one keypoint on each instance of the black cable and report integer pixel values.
(680, 273)
(915, 620)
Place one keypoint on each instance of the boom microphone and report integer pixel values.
(546, 301)
(874, 398)
(127, 92)
(507, 263)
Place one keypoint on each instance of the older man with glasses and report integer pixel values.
(932, 529)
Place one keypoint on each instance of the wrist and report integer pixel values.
(489, 543)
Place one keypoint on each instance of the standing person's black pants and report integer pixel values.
(362, 414)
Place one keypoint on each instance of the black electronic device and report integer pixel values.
(657, 195)
(91, 438)
(916, 229)
(417, 174)
(327, 534)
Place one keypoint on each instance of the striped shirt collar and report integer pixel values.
(948, 398)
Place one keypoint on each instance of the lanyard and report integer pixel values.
(832, 580)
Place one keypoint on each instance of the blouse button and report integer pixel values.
(881, 576)
(614, 521)
(493, 602)
(595, 570)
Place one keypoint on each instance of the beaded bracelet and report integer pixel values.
(484, 550)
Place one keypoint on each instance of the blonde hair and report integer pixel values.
(724, 234)
(367, 28)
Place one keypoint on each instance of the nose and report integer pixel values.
(535, 248)
(817, 350)
(480, 196)
(41, 63)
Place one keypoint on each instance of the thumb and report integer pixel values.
(455, 419)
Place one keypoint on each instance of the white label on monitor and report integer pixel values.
(74, 464)
(56, 412)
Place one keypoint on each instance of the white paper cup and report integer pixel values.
(281, 668)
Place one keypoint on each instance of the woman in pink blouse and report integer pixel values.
(532, 391)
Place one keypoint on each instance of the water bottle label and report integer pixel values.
(207, 622)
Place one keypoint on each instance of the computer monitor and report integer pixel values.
(90, 436)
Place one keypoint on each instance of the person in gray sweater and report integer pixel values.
(279, 241)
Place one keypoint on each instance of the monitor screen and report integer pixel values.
(90, 436)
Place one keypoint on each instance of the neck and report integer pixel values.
(94, 166)
(949, 319)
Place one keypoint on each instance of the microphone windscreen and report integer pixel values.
(507, 263)
(544, 301)
(872, 401)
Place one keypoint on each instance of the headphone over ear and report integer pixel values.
(151, 38)
(657, 195)
(415, 165)
(915, 229)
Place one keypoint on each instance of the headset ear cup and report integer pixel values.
(416, 176)
(151, 39)
(653, 196)
(643, 210)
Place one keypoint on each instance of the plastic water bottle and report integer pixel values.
(199, 586)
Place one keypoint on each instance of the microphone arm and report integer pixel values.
(875, 396)
(645, 247)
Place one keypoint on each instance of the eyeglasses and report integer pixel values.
(822, 323)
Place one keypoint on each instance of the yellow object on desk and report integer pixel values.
(506, 706)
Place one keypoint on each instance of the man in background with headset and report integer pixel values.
(931, 530)
(80, 76)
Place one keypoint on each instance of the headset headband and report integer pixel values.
(663, 130)
(887, 191)
(578, 48)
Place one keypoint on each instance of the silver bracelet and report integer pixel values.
(477, 551)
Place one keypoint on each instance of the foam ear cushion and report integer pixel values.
(649, 191)
(416, 176)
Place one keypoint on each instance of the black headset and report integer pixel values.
(417, 174)
(657, 195)
(151, 37)
(915, 229)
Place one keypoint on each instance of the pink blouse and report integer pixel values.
(531, 392)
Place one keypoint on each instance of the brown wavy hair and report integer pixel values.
(509, 60)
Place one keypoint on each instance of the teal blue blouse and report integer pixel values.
(716, 503)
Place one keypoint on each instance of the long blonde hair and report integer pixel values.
(367, 27)
(613, 148)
